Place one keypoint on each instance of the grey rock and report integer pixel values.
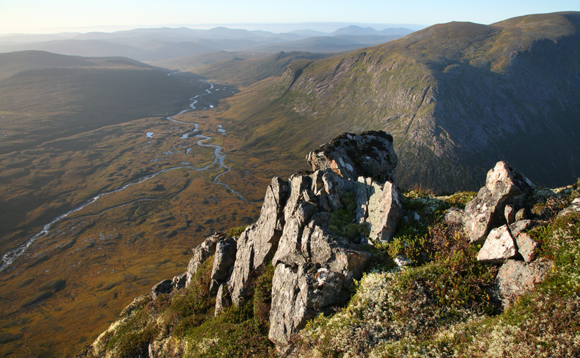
(573, 207)
(385, 211)
(369, 155)
(504, 185)
(313, 275)
(163, 287)
(516, 277)
(520, 226)
(201, 253)
(223, 261)
(179, 281)
(499, 246)
(334, 187)
(259, 242)
(453, 216)
(223, 299)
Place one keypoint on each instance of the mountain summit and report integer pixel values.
(457, 97)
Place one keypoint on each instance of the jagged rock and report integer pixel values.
(165, 286)
(179, 281)
(520, 226)
(516, 277)
(369, 154)
(201, 253)
(385, 210)
(573, 207)
(223, 262)
(259, 241)
(499, 246)
(526, 246)
(314, 272)
(504, 185)
(223, 299)
(453, 216)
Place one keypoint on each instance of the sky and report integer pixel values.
(50, 16)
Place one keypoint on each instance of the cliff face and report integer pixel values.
(341, 262)
(457, 98)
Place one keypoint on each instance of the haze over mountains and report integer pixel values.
(456, 97)
(166, 43)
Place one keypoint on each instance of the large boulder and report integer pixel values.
(499, 246)
(369, 155)
(504, 185)
(384, 211)
(258, 243)
(516, 277)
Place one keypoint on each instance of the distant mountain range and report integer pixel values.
(167, 43)
(457, 97)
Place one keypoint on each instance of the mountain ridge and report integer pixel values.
(448, 94)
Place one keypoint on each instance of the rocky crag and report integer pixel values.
(329, 236)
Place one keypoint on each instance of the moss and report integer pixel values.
(341, 221)
(236, 231)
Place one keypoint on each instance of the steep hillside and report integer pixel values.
(247, 71)
(457, 97)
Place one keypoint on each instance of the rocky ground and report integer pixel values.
(342, 263)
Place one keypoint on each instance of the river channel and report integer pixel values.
(218, 158)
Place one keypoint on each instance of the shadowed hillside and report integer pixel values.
(457, 97)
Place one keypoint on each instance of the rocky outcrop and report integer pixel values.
(370, 155)
(314, 272)
(504, 185)
(300, 226)
(223, 262)
(201, 253)
(259, 241)
(165, 286)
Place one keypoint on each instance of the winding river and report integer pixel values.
(9, 257)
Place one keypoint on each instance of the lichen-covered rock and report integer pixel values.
(259, 241)
(314, 272)
(573, 207)
(201, 253)
(499, 246)
(223, 262)
(369, 154)
(516, 277)
(503, 186)
(526, 246)
(453, 216)
(384, 211)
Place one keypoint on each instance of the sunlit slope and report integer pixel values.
(45, 96)
(457, 97)
(246, 71)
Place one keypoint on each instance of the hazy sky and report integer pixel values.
(108, 15)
